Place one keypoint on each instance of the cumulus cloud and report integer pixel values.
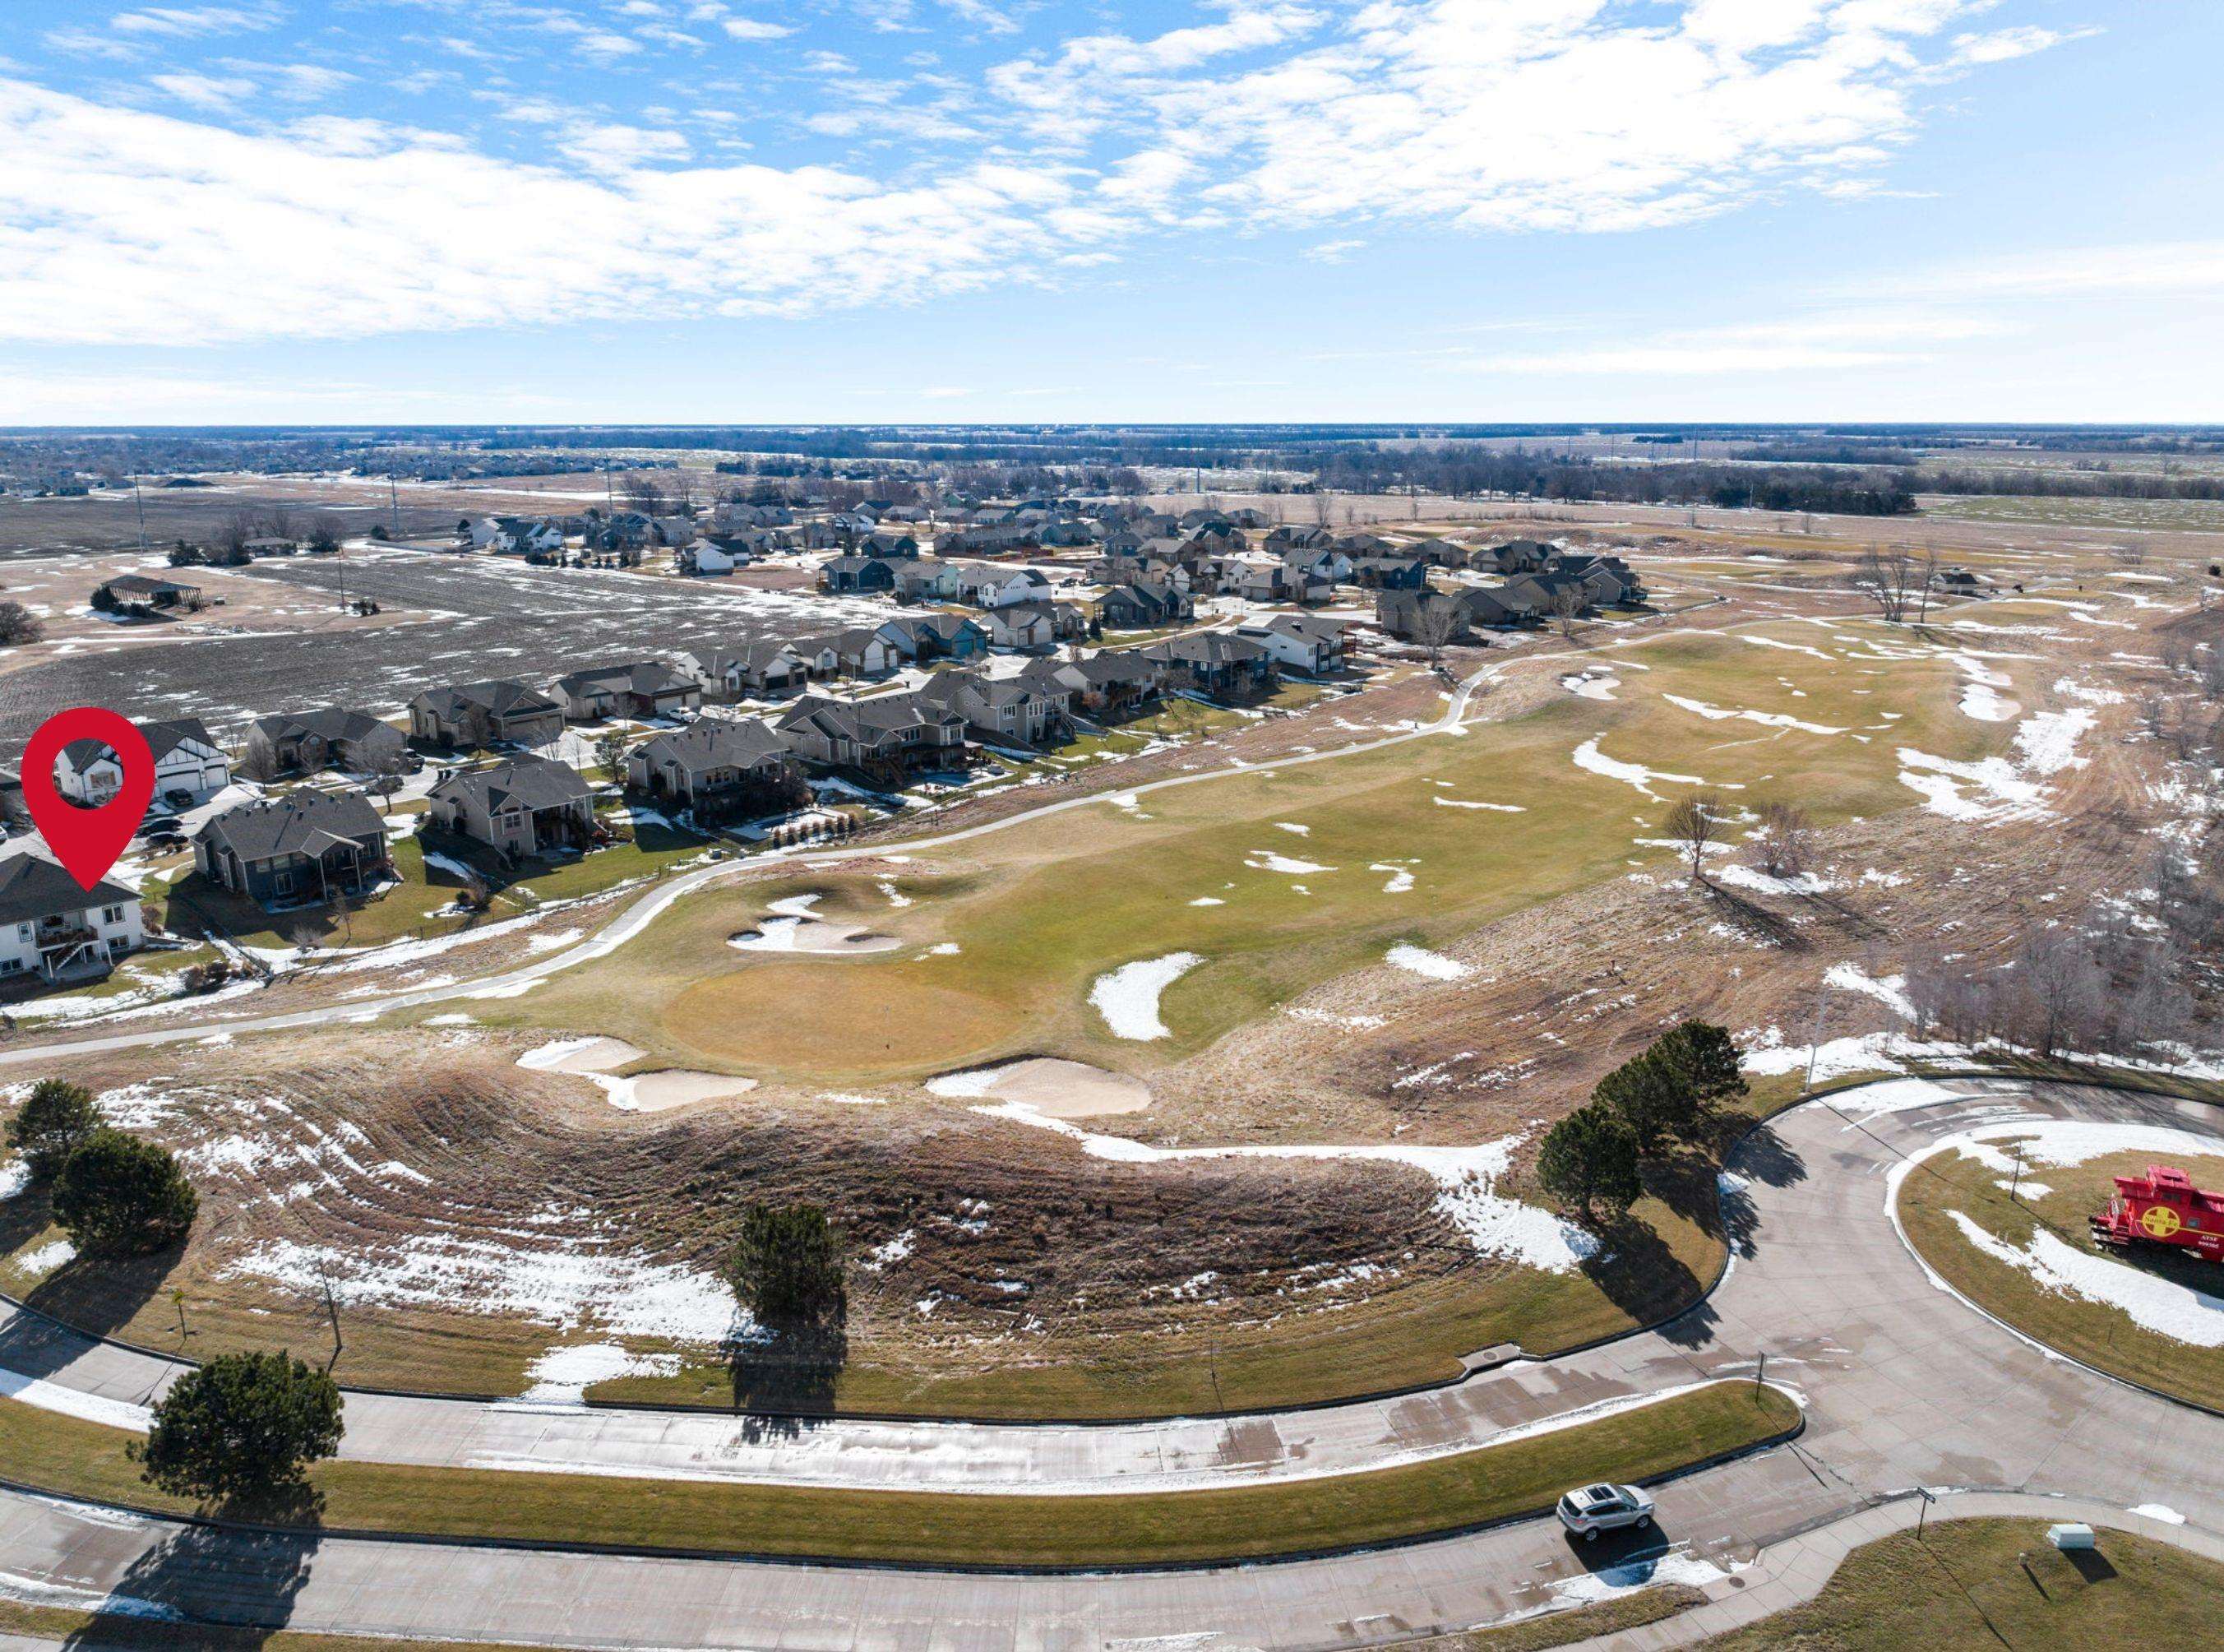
(127, 226)
(1519, 116)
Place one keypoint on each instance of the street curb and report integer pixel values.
(850, 1563)
(1370, 1397)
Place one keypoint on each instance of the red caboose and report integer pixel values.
(2163, 1207)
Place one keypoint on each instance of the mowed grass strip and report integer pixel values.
(1986, 1583)
(2101, 1335)
(63, 1455)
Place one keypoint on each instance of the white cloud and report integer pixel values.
(2077, 272)
(203, 91)
(121, 226)
(177, 23)
(622, 148)
(1818, 342)
(752, 29)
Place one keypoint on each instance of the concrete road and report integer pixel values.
(1905, 1385)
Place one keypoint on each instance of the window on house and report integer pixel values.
(112, 915)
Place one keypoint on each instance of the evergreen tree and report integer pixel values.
(1590, 1159)
(53, 1123)
(787, 1263)
(1653, 1099)
(1705, 1057)
(120, 1196)
(241, 1423)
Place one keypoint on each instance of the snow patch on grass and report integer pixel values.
(1127, 997)
(1421, 961)
(2161, 1305)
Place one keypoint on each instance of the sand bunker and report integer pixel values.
(1054, 1088)
(794, 928)
(592, 1059)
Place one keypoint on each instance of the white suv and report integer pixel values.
(1595, 1509)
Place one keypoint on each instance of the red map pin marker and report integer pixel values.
(87, 841)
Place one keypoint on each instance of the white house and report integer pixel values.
(186, 759)
(1309, 645)
(701, 556)
(993, 587)
(52, 928)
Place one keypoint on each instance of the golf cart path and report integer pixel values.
(1905, 1386)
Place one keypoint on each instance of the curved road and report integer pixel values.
(1905, 1386)
(654, 903)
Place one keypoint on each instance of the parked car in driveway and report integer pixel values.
(1595, 1509)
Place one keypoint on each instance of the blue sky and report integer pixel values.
(697, 211)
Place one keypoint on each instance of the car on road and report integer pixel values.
(1591, 1510)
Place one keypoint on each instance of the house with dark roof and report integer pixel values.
(53, 929)
(1300, 642)
(843, 574)
(1433, 617)
(718, 765)
(755, 668)
(1010, 710)
(888, 736)
(285, 850)
(1144, 604)
(525, 806)
(1219, 663)
(1389, 573)
(861, 651)
(474, 714)
(935, 635)
(332, 737)
(640, 688)
(188, 761)
(1106, 684)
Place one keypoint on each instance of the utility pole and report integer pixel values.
(139, 501)
(1815, 1040)
(393, 506)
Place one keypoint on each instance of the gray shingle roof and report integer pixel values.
(715, 743)
(520, 783)
(300, 823)
(33, 886)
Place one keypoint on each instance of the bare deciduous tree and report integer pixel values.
(1898, 583)
(1567, 605)
(18, 624)
(1436, 624)
(1786, 845)
(1695, 824)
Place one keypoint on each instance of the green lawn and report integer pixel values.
(2095, 1333)
(61, 1454)
(1978, 1586)
(1038, 912)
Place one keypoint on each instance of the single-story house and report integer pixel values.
(186, 759)
(888, 736)
(500, 713)
(1100, 684)
(1144, 604)
(1299, 641)
(1390, 573)
(53, 927)
(858, 652)
(710, 761)
(993, 587)
(936, 635)
(640, 688)
(928, 579)
(753, 668)
(858, 574)
(525, 806)
(332, 737)
(1216, 662)
(307, 845)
